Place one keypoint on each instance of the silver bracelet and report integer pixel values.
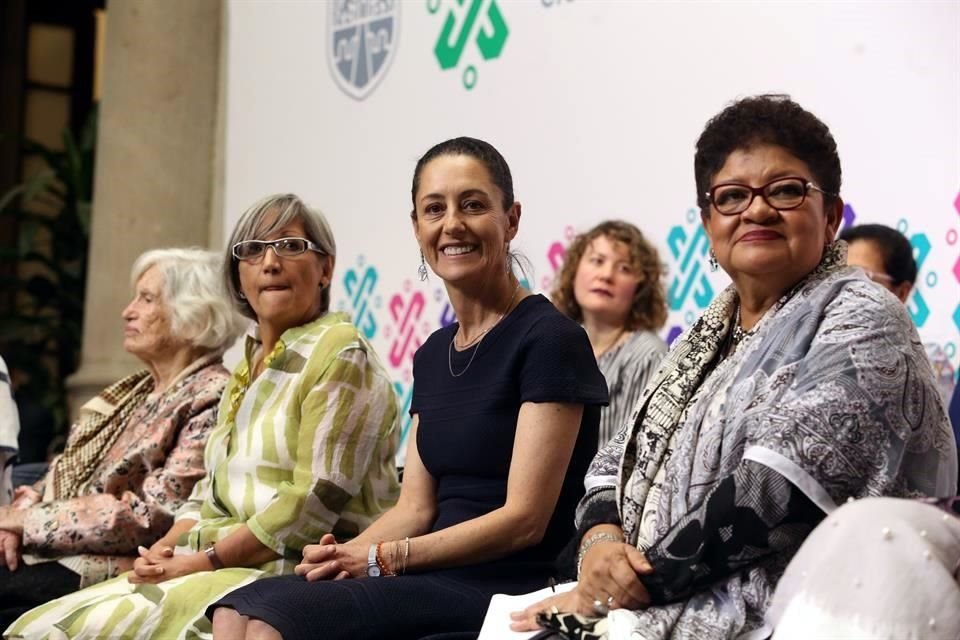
(602, 536)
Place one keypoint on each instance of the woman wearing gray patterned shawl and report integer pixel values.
(802, 386)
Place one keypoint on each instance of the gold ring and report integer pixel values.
(554, 610)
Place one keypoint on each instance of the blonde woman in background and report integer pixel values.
(611, 282)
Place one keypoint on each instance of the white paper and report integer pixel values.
(496, 624)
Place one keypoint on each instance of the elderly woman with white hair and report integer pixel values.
(303, 447)
(136, 451)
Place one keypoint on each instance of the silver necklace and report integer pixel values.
(476, 341)
(738, 334)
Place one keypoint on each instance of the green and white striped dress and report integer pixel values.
(310, 451)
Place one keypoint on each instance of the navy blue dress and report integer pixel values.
(465, 439)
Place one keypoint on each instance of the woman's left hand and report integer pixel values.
(11, 519)
(329, 560)
(573, 601)
(147, 571)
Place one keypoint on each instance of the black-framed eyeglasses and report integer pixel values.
(254, 250)
(782, 194)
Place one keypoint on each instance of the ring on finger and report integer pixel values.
(600, 608)
(611, 603)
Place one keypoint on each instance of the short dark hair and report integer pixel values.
(897, 252)
(767, 119)
(480, 150)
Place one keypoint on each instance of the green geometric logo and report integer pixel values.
(457, 35)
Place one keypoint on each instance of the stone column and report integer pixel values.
(155, 169)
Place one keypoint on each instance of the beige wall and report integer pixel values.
(156, 176)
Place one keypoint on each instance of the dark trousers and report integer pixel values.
(30, 586)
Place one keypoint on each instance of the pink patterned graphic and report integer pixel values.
(408, 331)
(555, 255)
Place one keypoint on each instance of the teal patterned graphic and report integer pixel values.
(487, 30)
(917, 303)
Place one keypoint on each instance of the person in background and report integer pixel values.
(9, 432)
(886, 256)
(136, 451)
(802, 385)
(506, 403)
(611, 282)
(303, 446)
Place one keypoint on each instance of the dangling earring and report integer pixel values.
(422, 269)
(712, 260)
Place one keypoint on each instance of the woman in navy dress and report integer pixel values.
(506, 406)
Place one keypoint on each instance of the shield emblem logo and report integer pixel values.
(362, 40)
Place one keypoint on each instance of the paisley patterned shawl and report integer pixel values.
(833, 392)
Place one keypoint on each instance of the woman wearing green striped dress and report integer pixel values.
(304, 446)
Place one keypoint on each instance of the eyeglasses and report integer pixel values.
(781, 194)
(254, 250)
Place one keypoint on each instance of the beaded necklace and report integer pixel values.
(244, 379)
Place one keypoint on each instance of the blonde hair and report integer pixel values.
(649, 307)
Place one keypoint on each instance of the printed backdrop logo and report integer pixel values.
(917, 303)
(952, 240)
(556, 252)
(408, 331)
(362, 40)
(690, 288)
(466, 24)
(360, 283)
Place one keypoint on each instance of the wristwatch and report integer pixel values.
(211, 553)
(373, 568)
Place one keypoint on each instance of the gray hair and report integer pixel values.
(200, 312)
(287, 207)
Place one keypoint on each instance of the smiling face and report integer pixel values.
(284, 292)
(460, 223)
(606, 281)
(146, 332)
(780, 247)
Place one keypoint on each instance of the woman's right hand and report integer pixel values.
(326, 560)
(148, 562)
(160, 550)
(612, 570)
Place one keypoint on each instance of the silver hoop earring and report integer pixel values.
(712, 260)
(422, 269)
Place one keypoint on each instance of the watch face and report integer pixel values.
(374, 571)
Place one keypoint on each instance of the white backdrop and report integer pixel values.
(596, 104)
